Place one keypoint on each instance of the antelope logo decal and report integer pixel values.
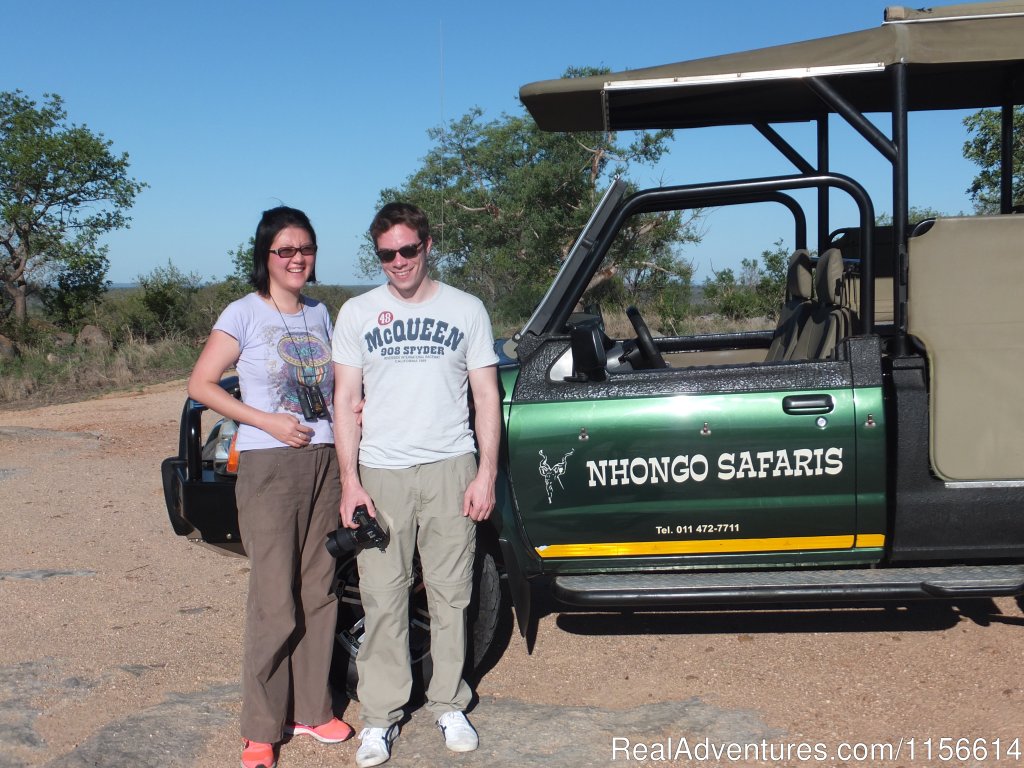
(551, 473)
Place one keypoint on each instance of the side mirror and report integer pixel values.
(589, 358)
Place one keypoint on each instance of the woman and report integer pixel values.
(287, 492)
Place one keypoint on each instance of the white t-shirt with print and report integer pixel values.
(277, 351)
(415, 359)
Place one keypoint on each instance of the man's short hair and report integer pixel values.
(393, 214)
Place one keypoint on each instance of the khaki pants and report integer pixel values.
(422, 506)
(288, 501)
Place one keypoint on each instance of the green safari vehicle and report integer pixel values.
(871, 447)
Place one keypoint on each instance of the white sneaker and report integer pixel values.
(459, 735)
(376, 745)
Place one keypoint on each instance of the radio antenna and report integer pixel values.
(440, 41)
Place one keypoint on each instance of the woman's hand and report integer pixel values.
(286, 428)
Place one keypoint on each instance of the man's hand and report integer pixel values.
(478, 501)
(352, 495)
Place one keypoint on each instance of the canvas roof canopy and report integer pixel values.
(957, 57)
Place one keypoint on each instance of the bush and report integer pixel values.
(169, 298)
(168, 304)
(31, 331)
(756, 293)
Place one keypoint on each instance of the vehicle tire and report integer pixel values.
(485, 610)
(482, 619)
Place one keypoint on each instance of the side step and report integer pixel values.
(679, 588)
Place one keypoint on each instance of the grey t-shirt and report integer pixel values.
(277, 352)
(415, 359)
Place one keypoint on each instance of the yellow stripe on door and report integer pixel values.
(711, 546)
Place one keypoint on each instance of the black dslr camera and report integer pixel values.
(345, 541)
(311, 400)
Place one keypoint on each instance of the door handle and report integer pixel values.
(807, 404)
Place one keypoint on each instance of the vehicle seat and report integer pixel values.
(829, 322)
(849, 242)
(795, 309)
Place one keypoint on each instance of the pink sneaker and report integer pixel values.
(331, 732)
(256, 754)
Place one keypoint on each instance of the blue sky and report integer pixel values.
(229, 108)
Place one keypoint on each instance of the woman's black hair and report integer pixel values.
(271, 223)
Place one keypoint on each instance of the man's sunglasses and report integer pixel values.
(387, 255)
(288, 252)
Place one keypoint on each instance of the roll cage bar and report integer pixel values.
(552, 314)
(729, 193)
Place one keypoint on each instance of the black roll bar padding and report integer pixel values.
(183, 429)
(191, 428)
(726, 193)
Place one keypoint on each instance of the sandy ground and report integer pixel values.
(120, 646)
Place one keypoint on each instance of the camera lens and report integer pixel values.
(344, 541)
(340, 542)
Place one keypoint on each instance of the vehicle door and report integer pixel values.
(713, 464)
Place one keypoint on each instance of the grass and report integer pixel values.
(44, 375)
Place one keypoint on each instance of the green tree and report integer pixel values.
(241, 261)
(61, 187)
(983, 149)
(506, 201)
(73, 291)
(236, 284)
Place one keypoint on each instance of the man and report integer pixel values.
(414, 348)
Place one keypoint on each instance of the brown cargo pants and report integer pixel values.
(288, 501)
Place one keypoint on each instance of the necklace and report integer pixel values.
(298, 347)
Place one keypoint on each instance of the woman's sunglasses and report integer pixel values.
(289, 252)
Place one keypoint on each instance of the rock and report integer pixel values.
(92, 336)
(8, 349)
(62, 339)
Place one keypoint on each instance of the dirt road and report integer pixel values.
(119, 647)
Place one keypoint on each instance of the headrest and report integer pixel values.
(798, 277)
(828, 277)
